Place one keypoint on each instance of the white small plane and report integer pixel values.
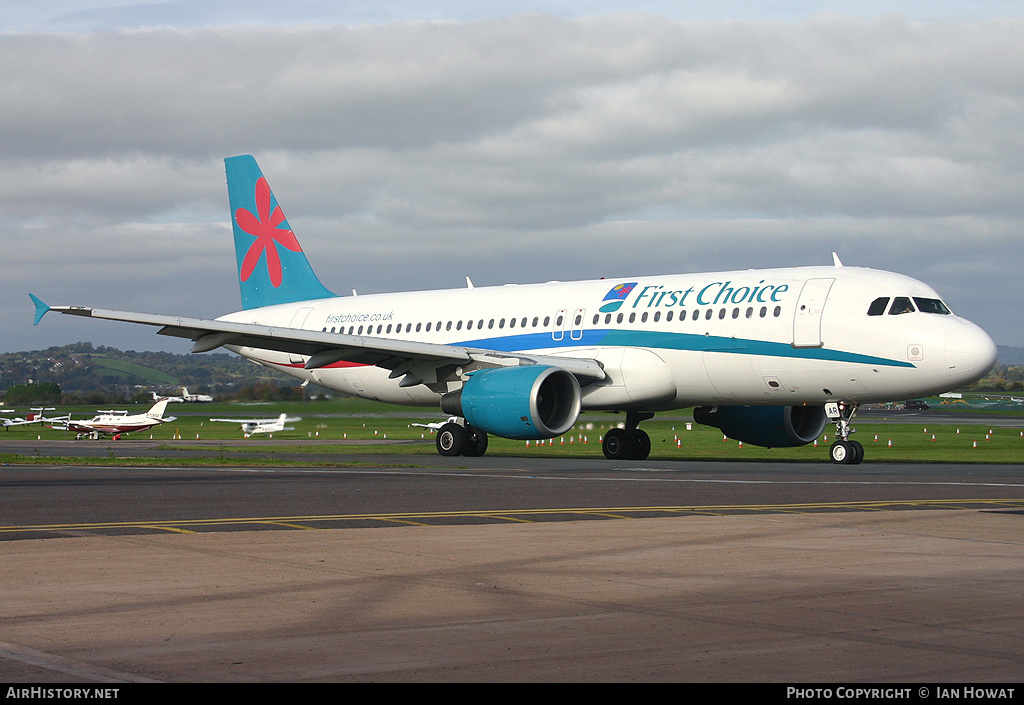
(251, 426)
(185, 397)
(768, 356)
(117, 422)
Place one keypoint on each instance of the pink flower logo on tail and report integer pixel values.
(268, 236)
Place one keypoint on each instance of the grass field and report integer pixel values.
(673, 437)
(129, 371)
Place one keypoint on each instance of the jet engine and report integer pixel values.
(526, 402)
(768, 426)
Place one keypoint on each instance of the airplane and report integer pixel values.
(185, 396)
(767, 356)
(117, 422)
(251, 426)
(38, 417)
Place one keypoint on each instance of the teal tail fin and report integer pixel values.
(41, 308)
(272, 268)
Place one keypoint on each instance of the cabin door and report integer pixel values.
(807, 318)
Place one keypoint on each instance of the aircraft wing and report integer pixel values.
(416, 362)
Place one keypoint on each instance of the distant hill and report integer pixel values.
(82, 368)
(1010, 356)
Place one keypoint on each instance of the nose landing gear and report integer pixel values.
(844, 451)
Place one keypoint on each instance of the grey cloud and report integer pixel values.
(522, 149)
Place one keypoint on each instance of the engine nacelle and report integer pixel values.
(526, 402)
(768, 426)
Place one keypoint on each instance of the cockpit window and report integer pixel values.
(877, 307)
(931, 306)
(901, 304)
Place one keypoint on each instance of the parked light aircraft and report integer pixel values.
(251, 426)
(767, 356)
(38, 417)
(113, 422)
(185, 397)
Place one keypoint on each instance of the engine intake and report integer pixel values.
(768, 426)
(527, 402)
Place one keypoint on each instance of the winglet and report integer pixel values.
(41, 309)
(835, 260)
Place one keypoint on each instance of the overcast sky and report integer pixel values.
(414, 143)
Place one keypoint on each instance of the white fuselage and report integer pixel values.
(756, 337)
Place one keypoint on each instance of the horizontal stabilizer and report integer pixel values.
(41, 308)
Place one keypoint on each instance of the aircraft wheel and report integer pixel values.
(476, 442)
(858, 450)
(844, 453)
(451, 439)
(617, 445)
(641, 445)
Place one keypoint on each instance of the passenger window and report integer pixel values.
(458, 325)
(696, 314)
(597, 318)
(777, 312)
(707, 316)
(877, 307)
(657, 316)
(901, 304)
(668, 317)
(931, 306)
(643, 317)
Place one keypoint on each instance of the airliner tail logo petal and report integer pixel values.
(265, 228)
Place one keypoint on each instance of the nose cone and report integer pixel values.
(970, 353)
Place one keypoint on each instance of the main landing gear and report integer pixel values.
(629, 443)
(454, 438)
(844, 451)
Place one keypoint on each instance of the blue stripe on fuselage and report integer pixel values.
(611, 337)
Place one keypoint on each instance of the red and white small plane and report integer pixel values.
(113, 423)
(38, 417)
